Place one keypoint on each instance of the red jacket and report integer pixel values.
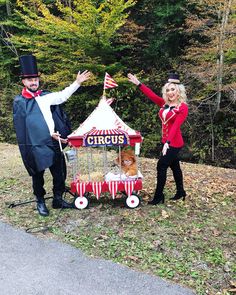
(174, 118)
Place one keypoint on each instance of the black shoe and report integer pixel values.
(42, 209)
(59, 203)
(179, 196)
(156, 201)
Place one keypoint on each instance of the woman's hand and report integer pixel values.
(165, 148)
(81, 77)
(133, 79)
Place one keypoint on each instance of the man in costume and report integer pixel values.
(39, 122)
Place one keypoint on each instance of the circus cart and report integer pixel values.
(95, 158)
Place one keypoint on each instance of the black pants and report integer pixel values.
(169, 160)
(58, 172)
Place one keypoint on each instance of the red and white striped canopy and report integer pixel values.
(94, 131)
(104, 127)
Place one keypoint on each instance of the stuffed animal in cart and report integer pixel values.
(127, 161)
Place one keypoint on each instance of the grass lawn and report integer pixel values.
(191, 243)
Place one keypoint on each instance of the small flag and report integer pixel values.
(109, 82)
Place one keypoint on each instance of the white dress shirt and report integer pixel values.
(54, 98)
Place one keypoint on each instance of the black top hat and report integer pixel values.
(28, 65)
(173, 78)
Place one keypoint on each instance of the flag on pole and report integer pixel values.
(109, 82)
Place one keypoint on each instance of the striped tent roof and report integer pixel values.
(103, 121)
(95, 131)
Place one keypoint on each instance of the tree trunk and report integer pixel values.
(8, 7)
(212, 133)
(220, 60)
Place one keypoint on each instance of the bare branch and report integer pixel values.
(5, 36)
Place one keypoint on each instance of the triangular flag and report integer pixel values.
(97, 188)
(113, 187)
(81, 188)
(109, 82)
(129, 187)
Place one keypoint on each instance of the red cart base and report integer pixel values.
(98, 187)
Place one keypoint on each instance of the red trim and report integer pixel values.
(30, 75)
(105, 187)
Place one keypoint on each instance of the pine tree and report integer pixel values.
(75, 35)
(163, 34)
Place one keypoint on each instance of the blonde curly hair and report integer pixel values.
(180, 88)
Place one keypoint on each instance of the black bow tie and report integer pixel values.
(166, 106)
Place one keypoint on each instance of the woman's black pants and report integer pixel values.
(169, 160)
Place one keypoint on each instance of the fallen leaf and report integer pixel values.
(232, 284)
(157, 244)
(227, 267)
(134, 258)
(164, 214)
(216, 232)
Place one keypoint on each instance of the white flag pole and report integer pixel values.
(104, 90)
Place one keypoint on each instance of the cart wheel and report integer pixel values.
(133, 201)
(81, 202)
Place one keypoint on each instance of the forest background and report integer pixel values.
(149, 38)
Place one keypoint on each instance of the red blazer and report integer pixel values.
(173, 120)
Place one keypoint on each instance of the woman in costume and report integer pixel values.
(173, 112)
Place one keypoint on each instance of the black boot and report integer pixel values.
(158, 199)
(179, 195)
(59, 203)
(178, 176)
(41, 206)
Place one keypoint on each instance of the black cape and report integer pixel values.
(36, 145)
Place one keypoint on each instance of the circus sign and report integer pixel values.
(106, 138)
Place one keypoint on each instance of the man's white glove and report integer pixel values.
(165, 148)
